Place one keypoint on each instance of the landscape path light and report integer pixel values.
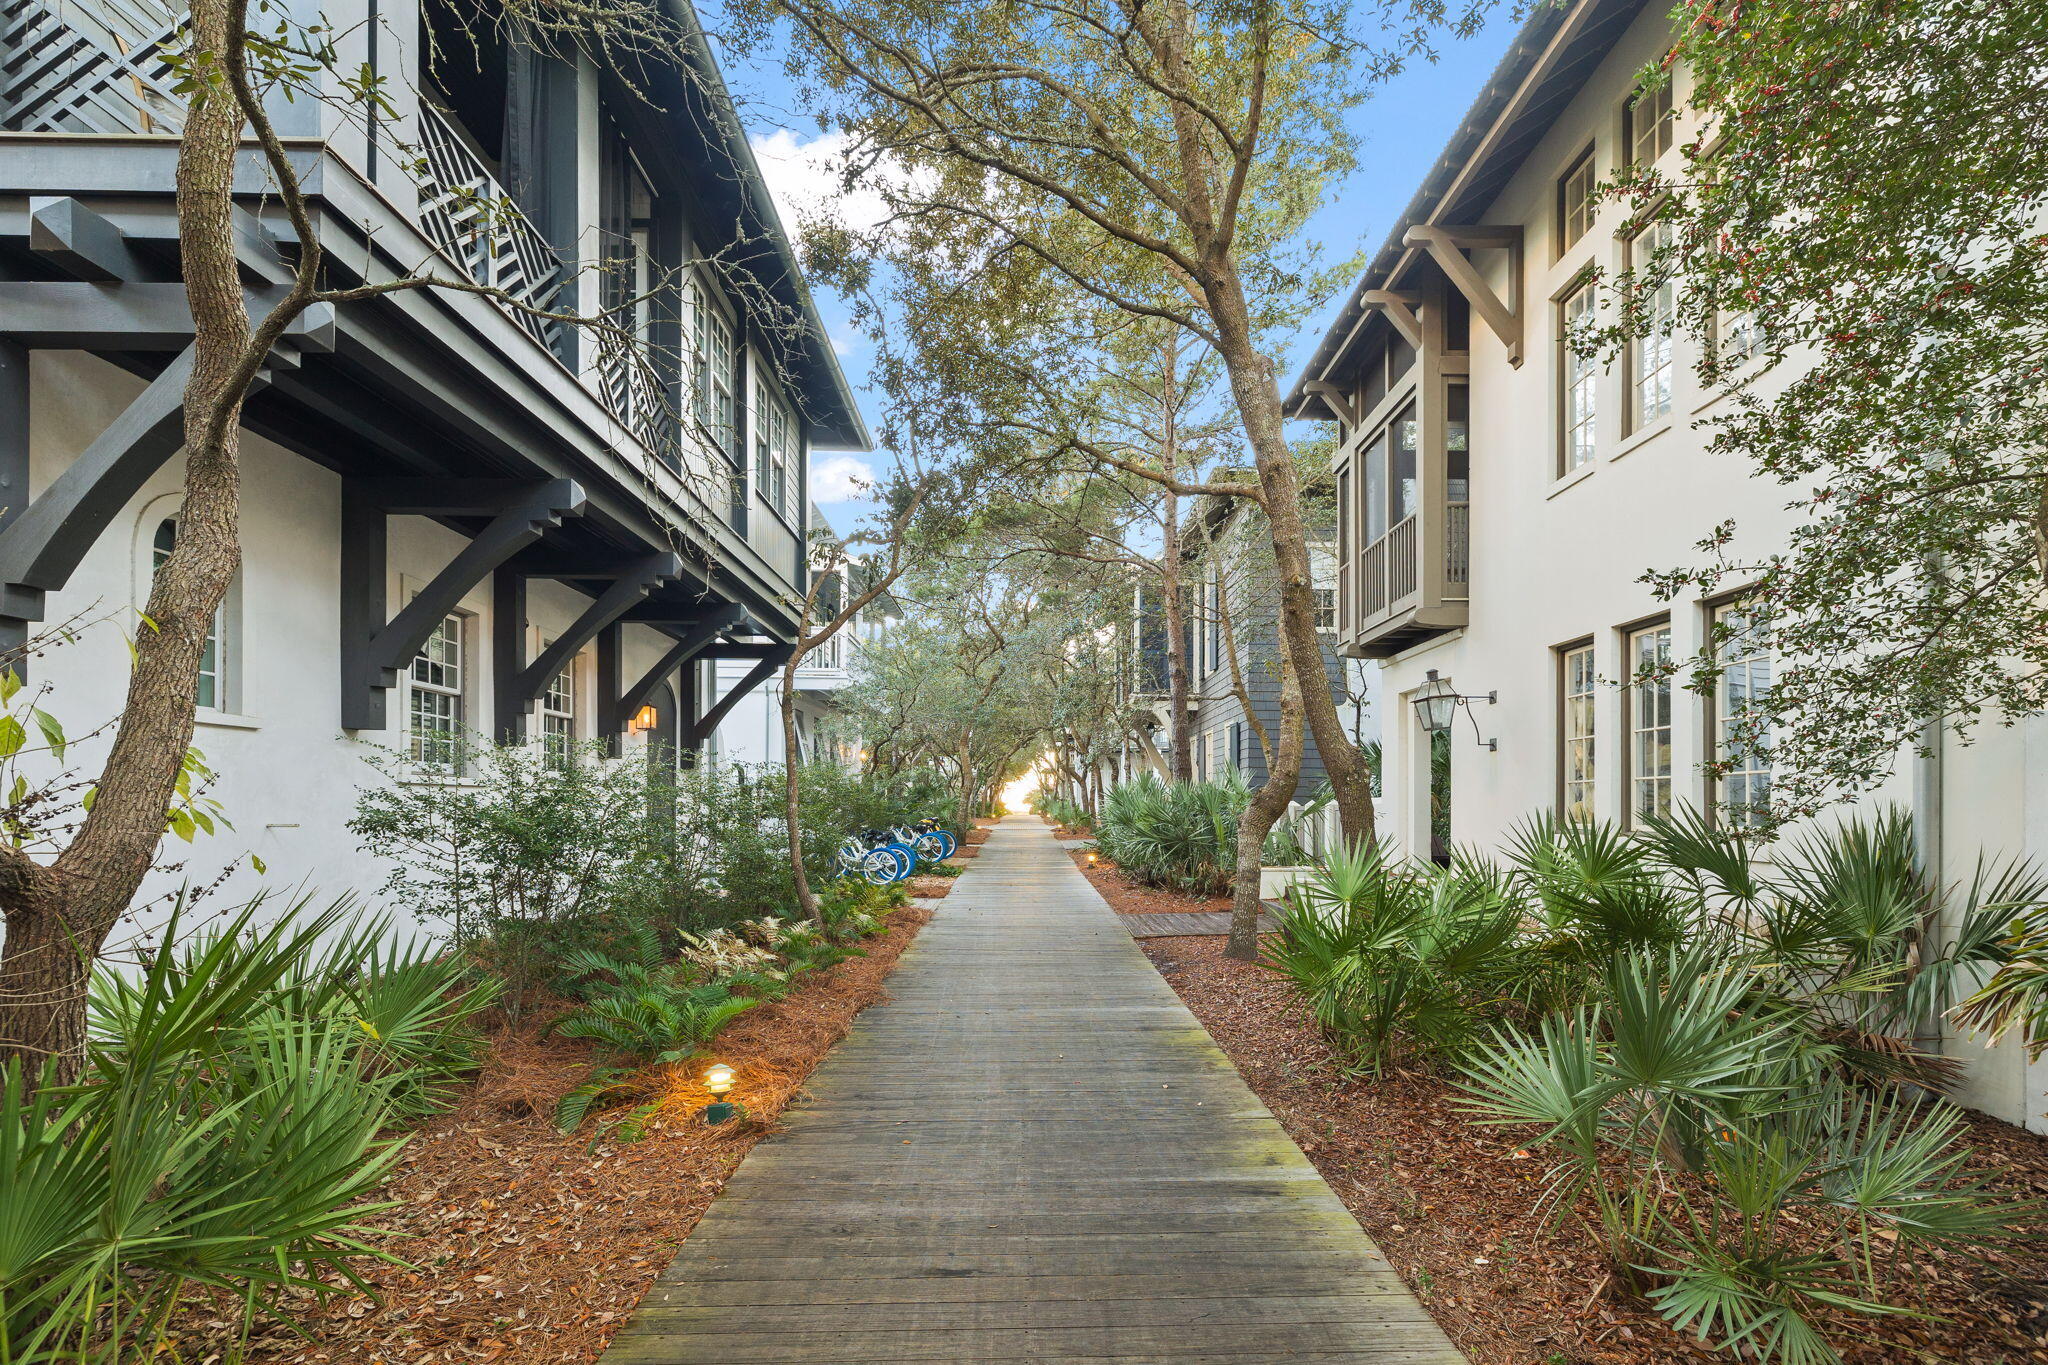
(718, 1080)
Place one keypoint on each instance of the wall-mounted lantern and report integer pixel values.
(1436, 706)
(644, 720)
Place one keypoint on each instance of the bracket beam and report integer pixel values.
(80, 243)
(516, 691)
(1445, 246)
(1399, 308)
(701, 729)
(612, 715)
(374, 648)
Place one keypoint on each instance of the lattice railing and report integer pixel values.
(98, 67)
(471, 218)
(634, 392)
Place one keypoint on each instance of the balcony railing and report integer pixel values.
(632, 389)
(1390, 569)
(469, 216)
(96, 67)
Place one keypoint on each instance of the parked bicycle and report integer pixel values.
(882, 856)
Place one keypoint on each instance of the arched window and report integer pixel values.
(212, 693)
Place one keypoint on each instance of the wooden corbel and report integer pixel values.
(1447, 245)
(1400, 310)
(1334, 399)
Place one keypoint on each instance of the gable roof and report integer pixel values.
(1549, 61)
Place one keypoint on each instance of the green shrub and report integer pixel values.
(227, 1131)
(1183, 835)
(1711, 1046)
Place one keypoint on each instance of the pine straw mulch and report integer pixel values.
(1452, 1204)
(1129, 896)
(533, 1247)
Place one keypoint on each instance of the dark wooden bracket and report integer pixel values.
(1333, 398)
(374, 648)
(1399, 308)
(79, 242)
(755, 676)
(1447, 245)
(516, 691)
(613, 714)
(44, 540)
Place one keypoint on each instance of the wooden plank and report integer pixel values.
(1033, 1152)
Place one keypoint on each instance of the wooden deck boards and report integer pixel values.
(1188, 924)
(1033, 1152)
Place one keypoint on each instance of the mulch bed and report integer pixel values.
(1452, 1204)
(532, 1246)
(1129, 896)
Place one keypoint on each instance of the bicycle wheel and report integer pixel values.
(880, 866)
(947, 843)
(904, 857)
(930, 847)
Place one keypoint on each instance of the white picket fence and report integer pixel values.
(1321, 831)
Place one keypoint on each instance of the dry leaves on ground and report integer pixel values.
(532, 1247)
(1453, 1204)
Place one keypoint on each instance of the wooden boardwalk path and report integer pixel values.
(1033, 1152)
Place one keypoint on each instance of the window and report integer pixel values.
(1649, 735)
(1576, 203)
(434, 706)
(711, 354)
(1650, 124)
(1649, 352)
(1575, 734)
(1577, 374)
(558, 716)
(1735, 332)
(1326, 607)
(775, 467)
(1742, 738)
(212, 693)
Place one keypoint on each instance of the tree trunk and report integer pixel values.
(1183, 757)
(1256, 388)
(806, 901)
(59, 916)
(964, 813)
(1266, 807)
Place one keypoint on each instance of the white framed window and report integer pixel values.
(1735, 332)
(1741, 740)
(1649, 734)
(1578, 381)
(558, 716)
(1651, 124)
(1326, 607)
(1649, 351)
(1575, 731)
(435, 700)
(1576, 203)
(711, 348)
(775, 439)
(212, 692)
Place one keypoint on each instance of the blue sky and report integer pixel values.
(1402, 129)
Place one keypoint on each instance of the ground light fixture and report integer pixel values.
(718, 1080)
(1436, 704)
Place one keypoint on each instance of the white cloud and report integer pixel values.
(841, 478)
(806, 179)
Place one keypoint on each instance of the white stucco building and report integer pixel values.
(456, 517)
(1501, 496)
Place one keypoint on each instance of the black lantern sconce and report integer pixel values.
(1436, 705)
